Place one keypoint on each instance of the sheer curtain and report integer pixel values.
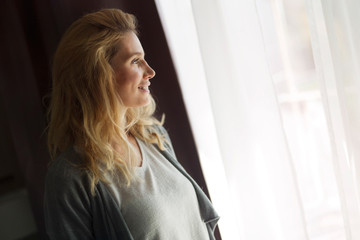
(271, 89)
(336, 40)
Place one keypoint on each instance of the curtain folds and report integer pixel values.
(336, 49)
(246, 96)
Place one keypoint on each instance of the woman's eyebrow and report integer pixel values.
(134, 54)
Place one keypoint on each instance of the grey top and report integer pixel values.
(72, 212)
(159, 196)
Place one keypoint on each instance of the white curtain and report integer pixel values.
(336, 39)
(271, 89)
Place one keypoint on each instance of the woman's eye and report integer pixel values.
(135, 61)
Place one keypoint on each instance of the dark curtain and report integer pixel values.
(30, 32)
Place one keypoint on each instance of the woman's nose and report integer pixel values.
(150, 73)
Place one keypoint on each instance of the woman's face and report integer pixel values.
(132, 73)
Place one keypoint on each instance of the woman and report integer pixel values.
(115, 174)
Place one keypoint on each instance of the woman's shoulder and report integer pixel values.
(159, 129)
(65, 170)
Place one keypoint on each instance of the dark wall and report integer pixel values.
(30, 32)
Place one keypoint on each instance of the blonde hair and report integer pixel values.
(85, 108)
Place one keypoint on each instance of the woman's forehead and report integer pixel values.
(129, 45)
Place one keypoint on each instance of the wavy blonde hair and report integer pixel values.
(85, 108)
